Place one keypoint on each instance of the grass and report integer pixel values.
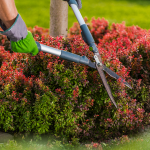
(138, 142)
(133, 12)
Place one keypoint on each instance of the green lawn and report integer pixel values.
(133, 12)
(138, 142)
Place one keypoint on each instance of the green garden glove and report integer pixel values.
(26, 45)
(21, 40)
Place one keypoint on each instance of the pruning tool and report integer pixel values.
(87, 37)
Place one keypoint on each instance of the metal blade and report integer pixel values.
(100, 70)
(114, 75)
(102, 75)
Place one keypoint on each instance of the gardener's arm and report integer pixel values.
(15, 29)
(8, 12)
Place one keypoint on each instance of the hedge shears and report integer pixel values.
(87, 37)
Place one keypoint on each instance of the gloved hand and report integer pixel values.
(21, 39)
(79, 2)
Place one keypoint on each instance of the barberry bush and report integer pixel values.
(45, 94)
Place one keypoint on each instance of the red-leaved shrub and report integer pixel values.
(44, 94)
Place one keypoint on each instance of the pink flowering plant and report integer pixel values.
(45, 94)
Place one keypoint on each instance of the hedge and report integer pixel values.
(44, 94)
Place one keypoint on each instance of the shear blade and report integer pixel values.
(114, 75)
(102, 75)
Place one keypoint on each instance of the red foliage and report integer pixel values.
(126, 51)
(78, 88)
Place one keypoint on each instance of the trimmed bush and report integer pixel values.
(44, 94)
